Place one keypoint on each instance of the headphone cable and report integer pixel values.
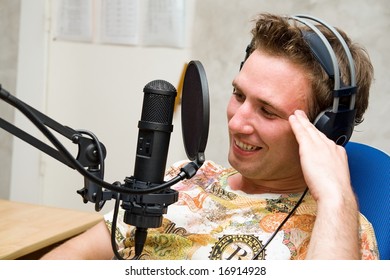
(281, 225)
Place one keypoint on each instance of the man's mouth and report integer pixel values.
(246, 147)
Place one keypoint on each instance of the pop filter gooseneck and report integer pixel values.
(195, 112)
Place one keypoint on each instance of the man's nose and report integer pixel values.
(242, 120)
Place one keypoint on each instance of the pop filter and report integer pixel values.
(195, 111)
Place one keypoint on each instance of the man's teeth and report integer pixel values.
(246, 147)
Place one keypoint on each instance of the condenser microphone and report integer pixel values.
(155, 127)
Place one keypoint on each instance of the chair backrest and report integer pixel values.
(370, 176)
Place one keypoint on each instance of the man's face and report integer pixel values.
(267, 91)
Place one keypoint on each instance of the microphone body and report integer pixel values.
(155, 127)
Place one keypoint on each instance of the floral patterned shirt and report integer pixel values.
(211, 221)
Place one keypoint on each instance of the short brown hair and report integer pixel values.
(282, 36)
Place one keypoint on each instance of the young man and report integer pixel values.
(276, 154)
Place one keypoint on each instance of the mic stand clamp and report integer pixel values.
(146, 210)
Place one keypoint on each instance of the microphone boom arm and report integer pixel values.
(86, 156)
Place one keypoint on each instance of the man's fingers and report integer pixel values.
(303, 129)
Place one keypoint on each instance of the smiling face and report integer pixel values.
(263, 147)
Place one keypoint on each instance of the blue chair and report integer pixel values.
(370, 176)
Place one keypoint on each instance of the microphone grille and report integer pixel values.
(160, 85)
(159, 101)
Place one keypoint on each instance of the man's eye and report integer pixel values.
(268, 113)
(238, 96)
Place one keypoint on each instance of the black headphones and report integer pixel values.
(336, 122)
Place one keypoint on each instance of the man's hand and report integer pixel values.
(324, 164)
(325, 167)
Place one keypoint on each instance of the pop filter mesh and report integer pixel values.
(195, 115)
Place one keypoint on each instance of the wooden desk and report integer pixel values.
(27, 228)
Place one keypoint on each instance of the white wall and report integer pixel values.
(9, 29)
(99, 87)
(31, 78)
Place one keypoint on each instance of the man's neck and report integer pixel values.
(258, 186)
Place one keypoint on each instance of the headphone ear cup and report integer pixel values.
(336, 126)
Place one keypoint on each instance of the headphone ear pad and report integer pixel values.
(336, 126)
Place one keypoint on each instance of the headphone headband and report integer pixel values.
(337, 77)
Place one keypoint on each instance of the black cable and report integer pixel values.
(281, 225)
(113, 229)
(98, 203)
(98, 147)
